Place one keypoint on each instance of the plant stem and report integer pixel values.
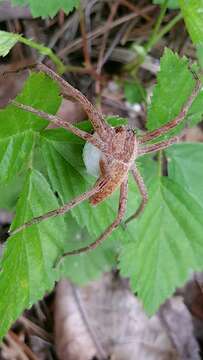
(153, 37)
(156, 36)
(165, 30)
(43, 50)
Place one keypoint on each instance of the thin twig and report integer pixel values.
(22, 346)
(113, 12)
(84, 39)
(88, 11)
(133, 8)
(114, 9)
(114, 43)
(36, 329)
(75, 45)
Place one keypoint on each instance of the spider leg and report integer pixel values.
(158, 146)
(109, 229)
(96, 118)
(65, 208)
(143, 191)
(59, 122)
(173, 123)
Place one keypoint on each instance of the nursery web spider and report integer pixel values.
(119, 148)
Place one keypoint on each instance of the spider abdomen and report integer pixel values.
(116, 175)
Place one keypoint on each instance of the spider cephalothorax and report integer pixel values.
(117, 150)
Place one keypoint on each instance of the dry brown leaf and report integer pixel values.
(177, 321)
(10, 84)
(71, 111)
(105, 321)
(8, 11)
(193, 134)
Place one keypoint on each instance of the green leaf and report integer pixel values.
(174, 85)
(15, 152)
(171, 4)
(18, 129)
(7, 41)
(27, 266)
(168, 246)
(134, 92)
(116, 120)
(193, 16)
(9, 193)
(196, 111)
(199, 49)
(28, 259)
(48, 7)
(40, 92)
(185, 166)
(88, 266)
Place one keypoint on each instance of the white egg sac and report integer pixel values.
(91, 158)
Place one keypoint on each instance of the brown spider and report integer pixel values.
(119, 148)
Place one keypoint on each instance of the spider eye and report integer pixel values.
(119, 129)
(132, 131)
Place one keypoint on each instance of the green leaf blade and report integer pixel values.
(38, 91)
(15, 152)
(193, 16)
(168, 246)
(196, 111)
(185, 167)
(174, 85)
(7, 41)
(134, 92)
(48, 7)
(19, 129)
(171, 4)
(27, 265)
(88, 266)
(42, 93)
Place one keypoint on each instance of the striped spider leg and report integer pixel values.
(119, 149)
